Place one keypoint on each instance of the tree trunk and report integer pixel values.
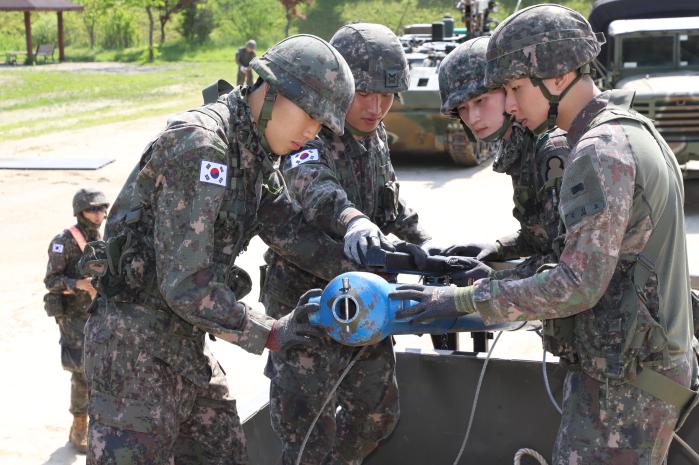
(288, 24)
(91, 34)
(163, 21)
(151, 26)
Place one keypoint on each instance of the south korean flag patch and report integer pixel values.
(56, 248)
(304, 156)
(213, 173)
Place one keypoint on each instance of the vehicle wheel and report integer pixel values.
(461, 150)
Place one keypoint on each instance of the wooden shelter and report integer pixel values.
(27, 6)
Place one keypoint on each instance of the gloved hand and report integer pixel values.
(467, 278)
(434, 302)
(483, 252)
(418, 253)
(359, 230)
(294, 329)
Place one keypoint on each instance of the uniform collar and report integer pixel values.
(246, 134)
(593, 108)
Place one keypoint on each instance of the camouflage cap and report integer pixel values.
(462, 74)
(88, 197)
(311, 73)
(375, 56)
(541, 41)
(251, 44)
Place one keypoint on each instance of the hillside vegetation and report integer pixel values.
(117, 30)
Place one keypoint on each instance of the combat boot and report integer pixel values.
(78, 433)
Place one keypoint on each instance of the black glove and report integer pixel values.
(294, 329)
(467, 278)
(483, 252)
(434, 302)
(417, 252)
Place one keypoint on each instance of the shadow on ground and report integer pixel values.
(65, 455)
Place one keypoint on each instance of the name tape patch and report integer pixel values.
(57, 248)
(213, 173)
(304, 156)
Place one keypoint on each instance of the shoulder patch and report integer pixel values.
(581, 191)
(554, 168)
(56, 247)
(303, 156)
(213, 173)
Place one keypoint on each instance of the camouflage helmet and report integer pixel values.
(88, 197)
(462, 75)
(375, 56)
(541, 41)
(312, 74)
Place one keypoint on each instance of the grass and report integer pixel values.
(35, 100)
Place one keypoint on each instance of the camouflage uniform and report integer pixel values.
(201, 191)
(535, 164)
(536, 177)
(69, 306)
(328, 177)
(618, 296)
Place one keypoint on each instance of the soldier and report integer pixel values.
(343, 182)
(243, 58)
(70, 294)
(619, 295)
(534, 163)
(201, 191)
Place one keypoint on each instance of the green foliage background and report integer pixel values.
(122, 28)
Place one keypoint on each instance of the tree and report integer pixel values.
(196, 23)
(94, 10)
(292, 11)
(167, 8)
(164, 9)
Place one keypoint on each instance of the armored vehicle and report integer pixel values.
(415, 124)
(653, 48)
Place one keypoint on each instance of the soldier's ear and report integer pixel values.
(563, 81)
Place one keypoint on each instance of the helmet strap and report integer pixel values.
(266, 115)
(357, 132)
(554, 100)
(497, 135)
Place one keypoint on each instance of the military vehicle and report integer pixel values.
(653, 48)
(415, 124)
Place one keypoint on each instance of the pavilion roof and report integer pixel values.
(39, 5)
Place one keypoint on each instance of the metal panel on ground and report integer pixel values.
(436, 391)
(45, 163)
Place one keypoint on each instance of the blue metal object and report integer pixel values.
(355, 310)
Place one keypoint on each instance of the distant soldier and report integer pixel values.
(243, 57)
(69, 297)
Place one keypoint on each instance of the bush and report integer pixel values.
(118, 30)
(196, 23)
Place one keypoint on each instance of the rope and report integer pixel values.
(326, 401)
(692, 453)
(548, 386)
(475, 400)
(530, 452)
